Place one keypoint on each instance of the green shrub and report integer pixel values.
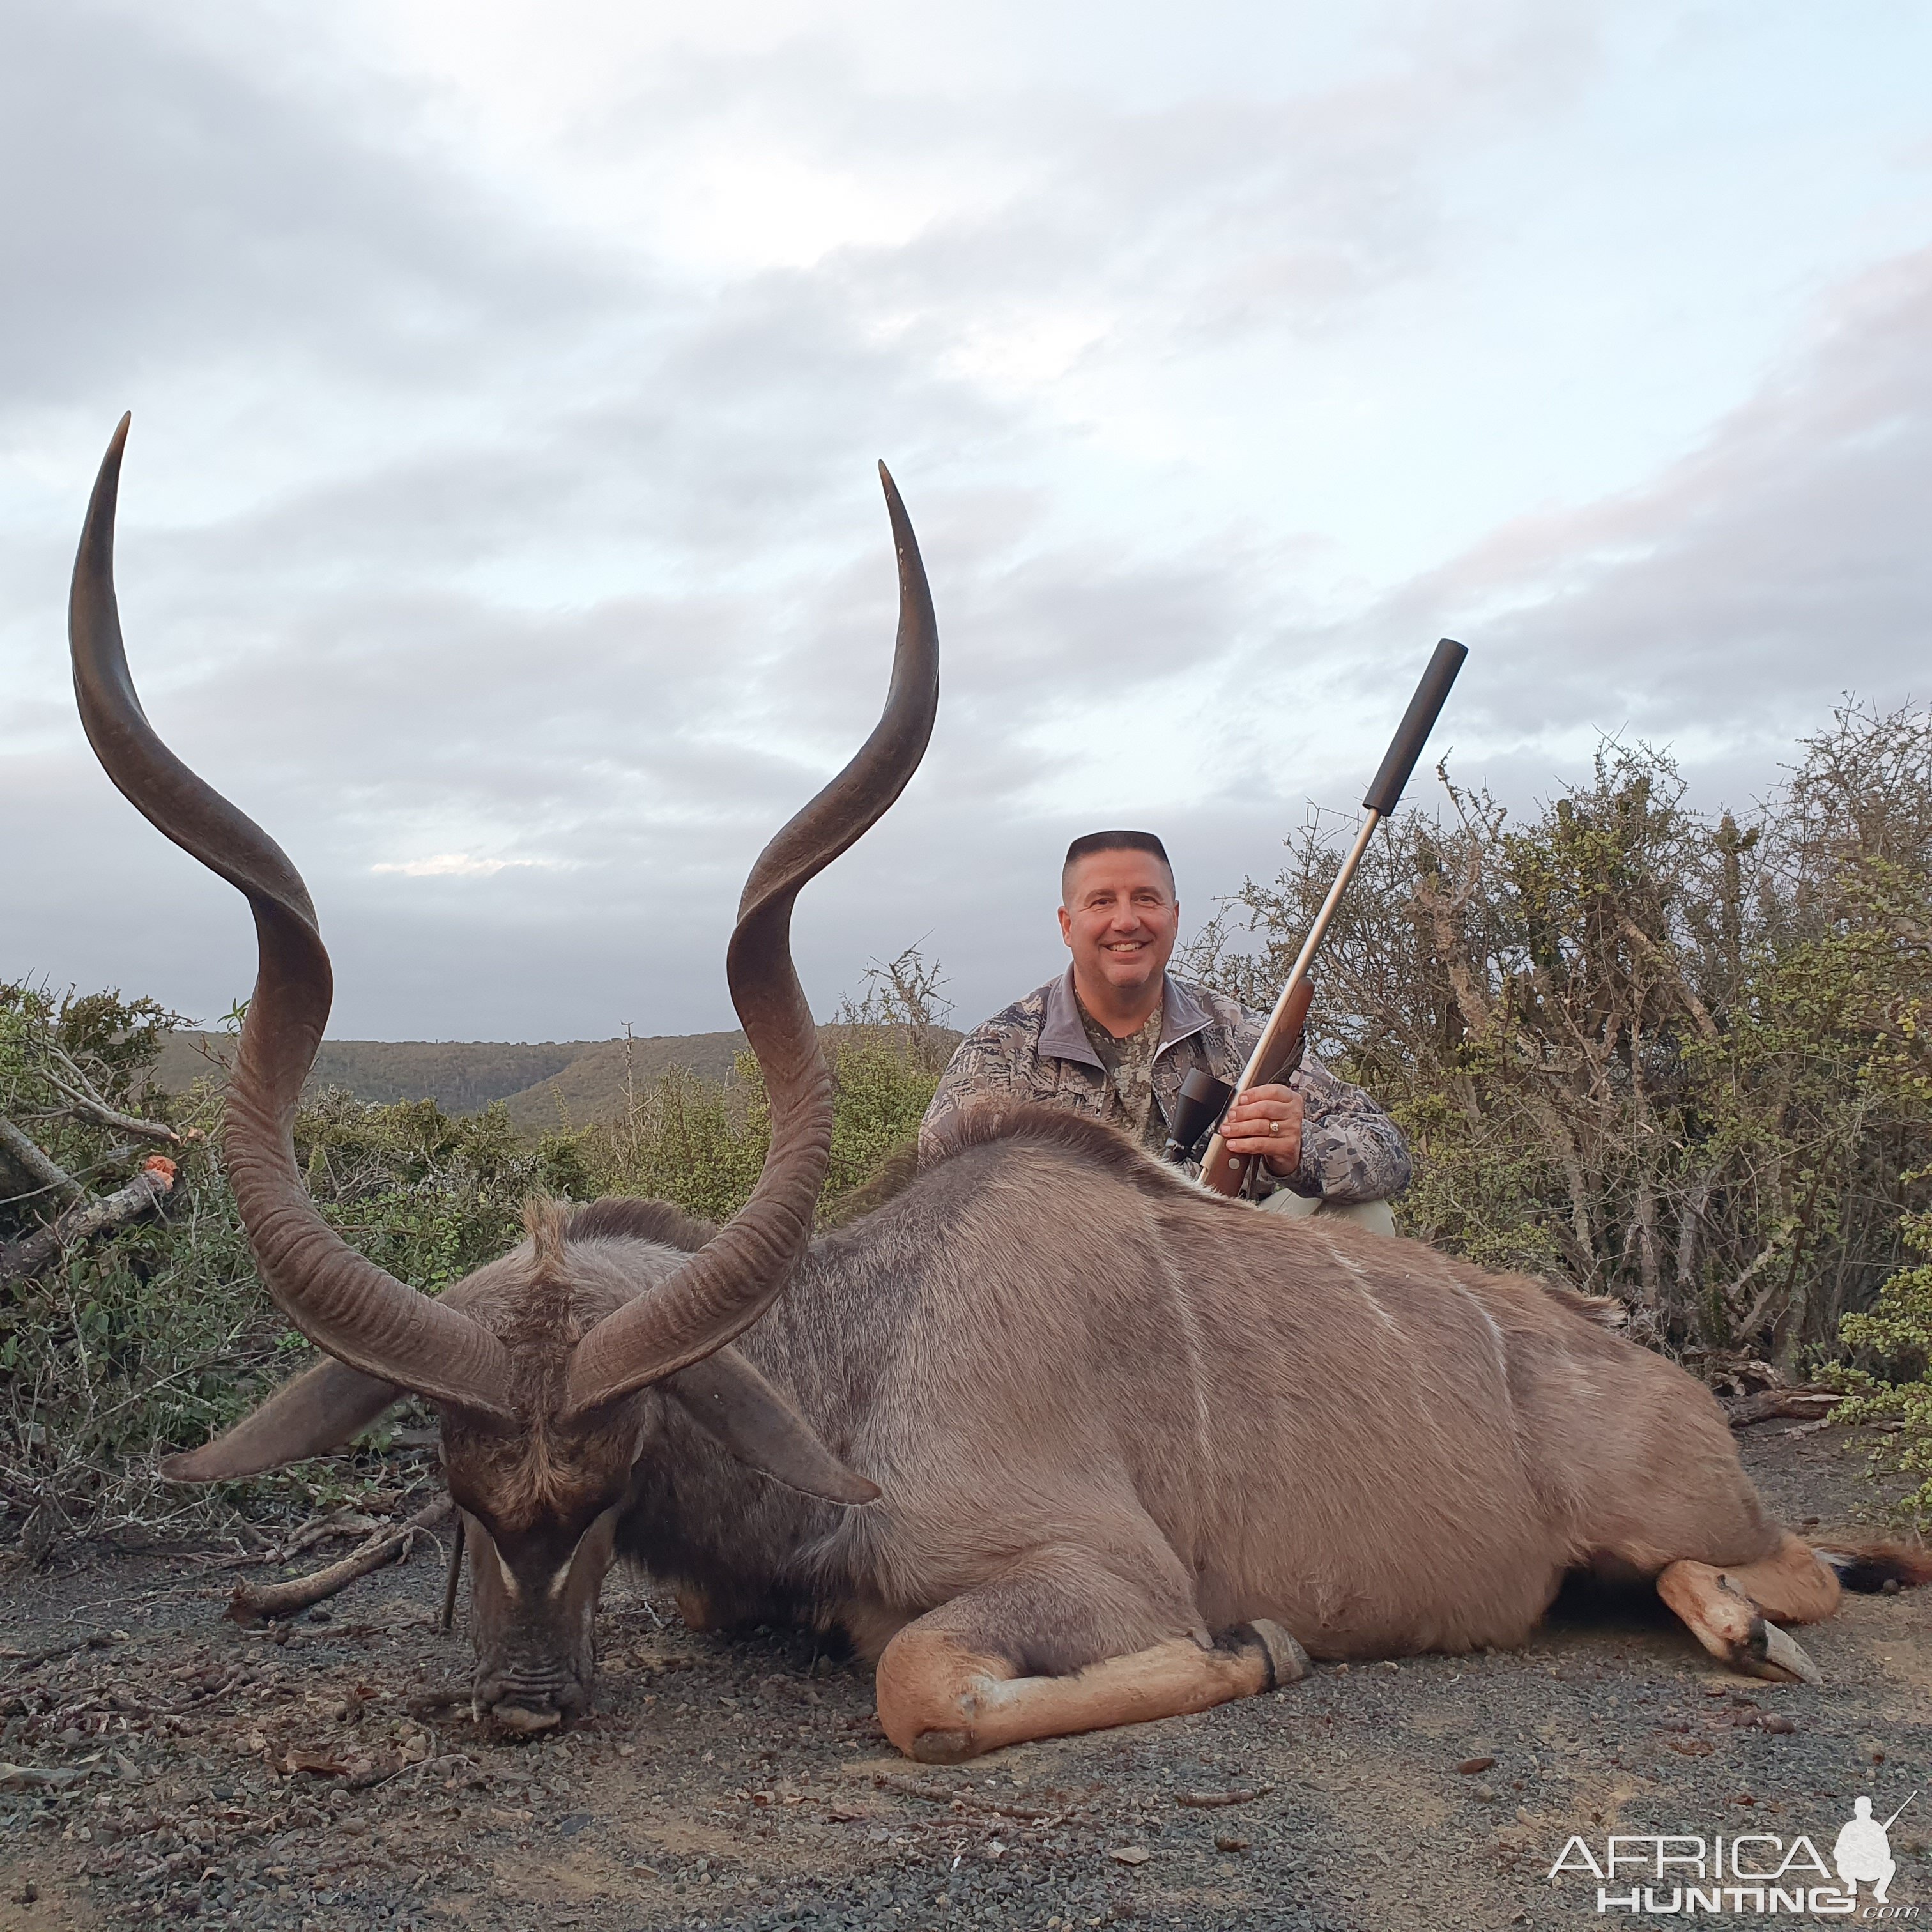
(1661, 1053)
(702, 1145)
(1896, 1333)
(159, 1336)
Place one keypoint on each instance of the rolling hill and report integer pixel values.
(570, 1083)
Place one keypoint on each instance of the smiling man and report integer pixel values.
(1116, 1034)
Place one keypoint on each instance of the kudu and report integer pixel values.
(1060, 1440)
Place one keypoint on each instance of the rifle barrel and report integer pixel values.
(1220, 1170)
(1417, 721)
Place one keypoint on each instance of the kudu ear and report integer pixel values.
(316, 1412)
(750, 1420)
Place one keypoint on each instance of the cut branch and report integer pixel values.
(20, 1259)
(259, 1603)
(103, 1115)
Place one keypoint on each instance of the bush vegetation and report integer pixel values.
(123, 1347)
(1676, 1057)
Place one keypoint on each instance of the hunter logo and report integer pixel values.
(1863, 1851)
(1752, 1875)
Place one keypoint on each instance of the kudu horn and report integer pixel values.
(356, 1311)
(725, 1287)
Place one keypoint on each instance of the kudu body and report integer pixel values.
(1060, 1440)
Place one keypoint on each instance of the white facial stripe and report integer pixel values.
(558, 1583)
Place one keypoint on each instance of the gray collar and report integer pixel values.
(1062, 1037)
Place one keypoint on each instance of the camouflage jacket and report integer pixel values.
(1037, 1050)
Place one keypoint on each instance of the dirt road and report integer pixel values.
(180, 1767)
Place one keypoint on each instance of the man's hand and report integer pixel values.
(1266, 1120)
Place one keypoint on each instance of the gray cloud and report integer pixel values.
(1779, 564)
(561, 565)
(176, 204)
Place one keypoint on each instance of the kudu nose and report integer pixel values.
(524, 1703)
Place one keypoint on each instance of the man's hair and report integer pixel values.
(1089, 843)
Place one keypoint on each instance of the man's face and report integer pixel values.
(1119, 916)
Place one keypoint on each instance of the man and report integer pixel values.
(1116, 1034)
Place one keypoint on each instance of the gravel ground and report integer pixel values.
(309, 1779)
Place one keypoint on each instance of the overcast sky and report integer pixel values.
(499, 527)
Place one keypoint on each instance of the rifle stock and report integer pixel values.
(1277, 1054)
(1279, 1048)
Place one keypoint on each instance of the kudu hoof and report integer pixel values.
(1776, 1654)
(944, 1746)
(1287, 1661)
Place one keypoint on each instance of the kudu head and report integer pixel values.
(551, 1368)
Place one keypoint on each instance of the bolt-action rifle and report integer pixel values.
(1203, 1098)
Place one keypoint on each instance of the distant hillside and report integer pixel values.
(589, 1090)
(573, 1082)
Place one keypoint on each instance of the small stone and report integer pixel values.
(1484, 1794)
(1225, 1843)
(1130, 1854)
(1778, 1726)
(1471, 1765)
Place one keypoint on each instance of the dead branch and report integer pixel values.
(347, 1520)
(261, 1603)
(45, 1173)
(21, 1259)
(344, 1520)
(27, 1660)
(84, 1098)
(1805, 1405)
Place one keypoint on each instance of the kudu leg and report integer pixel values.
(967, 1677)
(1731, 1612)
(942, 1704)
